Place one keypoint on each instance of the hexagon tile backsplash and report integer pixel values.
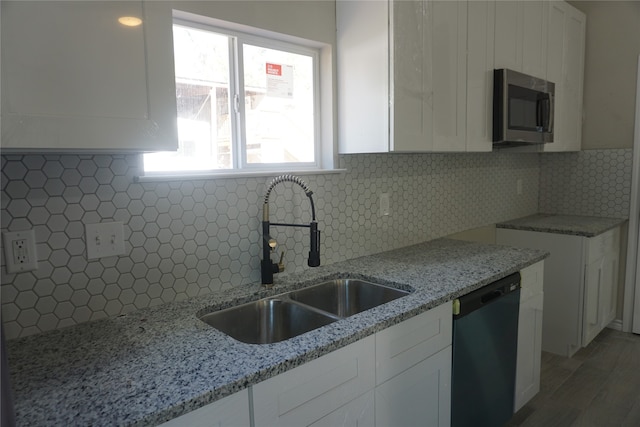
(591, 183)
(190, 237)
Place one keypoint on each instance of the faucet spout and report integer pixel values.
(267, 266)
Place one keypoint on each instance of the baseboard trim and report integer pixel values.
(615, 325)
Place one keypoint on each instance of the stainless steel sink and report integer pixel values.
(279, 318)
(346, 297)
(267, 320)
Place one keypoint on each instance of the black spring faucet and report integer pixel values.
(267, 267)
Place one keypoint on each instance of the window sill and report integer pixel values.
(238, 174)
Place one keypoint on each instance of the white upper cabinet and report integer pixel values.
(447, 25)
(401, 76)
(480, 59)
(75, 79)
(521, 36)
(409, 101)
(565, 67)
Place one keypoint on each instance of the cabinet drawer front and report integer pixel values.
(305, 394)
(229, 411)
(401, 346)
(357, 413)
(532, 279)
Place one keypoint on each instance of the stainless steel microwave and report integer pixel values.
(523, 108)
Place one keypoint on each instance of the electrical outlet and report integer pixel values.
(20, 251)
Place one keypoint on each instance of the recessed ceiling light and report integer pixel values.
(130, 21)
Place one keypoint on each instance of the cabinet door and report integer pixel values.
(448, 28)
(480, 45)
(565, 68)
(601, 283)
(359, 412)
(231, 411)
(521, 36)
(529, 350)
(363, 76)
(74, 78)
(534, 38)
(429, 79)
(592, 315)
(508, 35)
(306, 394)
(420, 396)
(412, 104)
(609, 294)
(610, 250)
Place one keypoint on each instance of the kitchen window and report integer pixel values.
(244, 102)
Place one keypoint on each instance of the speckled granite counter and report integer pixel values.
(158, 363)
(587, 226)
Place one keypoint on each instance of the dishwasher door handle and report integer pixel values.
(497, 293)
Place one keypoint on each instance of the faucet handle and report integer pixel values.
(281, 262)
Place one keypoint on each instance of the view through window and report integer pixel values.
(243, 103)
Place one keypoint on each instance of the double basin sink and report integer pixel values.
(278, 318)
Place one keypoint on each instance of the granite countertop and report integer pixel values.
(155, 364)
(587, 226)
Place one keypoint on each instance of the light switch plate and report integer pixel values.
(104, 239)
(20, 251)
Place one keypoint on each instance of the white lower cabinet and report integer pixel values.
(231, 411)
(357, 413)
(529, 335)
(600, 284)
(305, 394)
(399, 376)
(419, 396)
(580, 284)
(413, 370)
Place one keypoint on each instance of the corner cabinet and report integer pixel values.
(580, 284)
(565, 67)
(402, 75)
(75, 79)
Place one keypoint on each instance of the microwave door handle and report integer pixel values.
(544, 113)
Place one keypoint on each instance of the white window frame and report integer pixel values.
(324, 144)
(241, 39)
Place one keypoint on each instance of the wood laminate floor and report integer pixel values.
(598, 386)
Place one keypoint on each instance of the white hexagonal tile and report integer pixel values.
(47, 322)
(28, 317)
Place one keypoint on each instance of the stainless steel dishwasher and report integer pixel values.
(485, 338)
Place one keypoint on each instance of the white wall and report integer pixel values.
(612, 49)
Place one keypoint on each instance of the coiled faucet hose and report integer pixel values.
(296, 180)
